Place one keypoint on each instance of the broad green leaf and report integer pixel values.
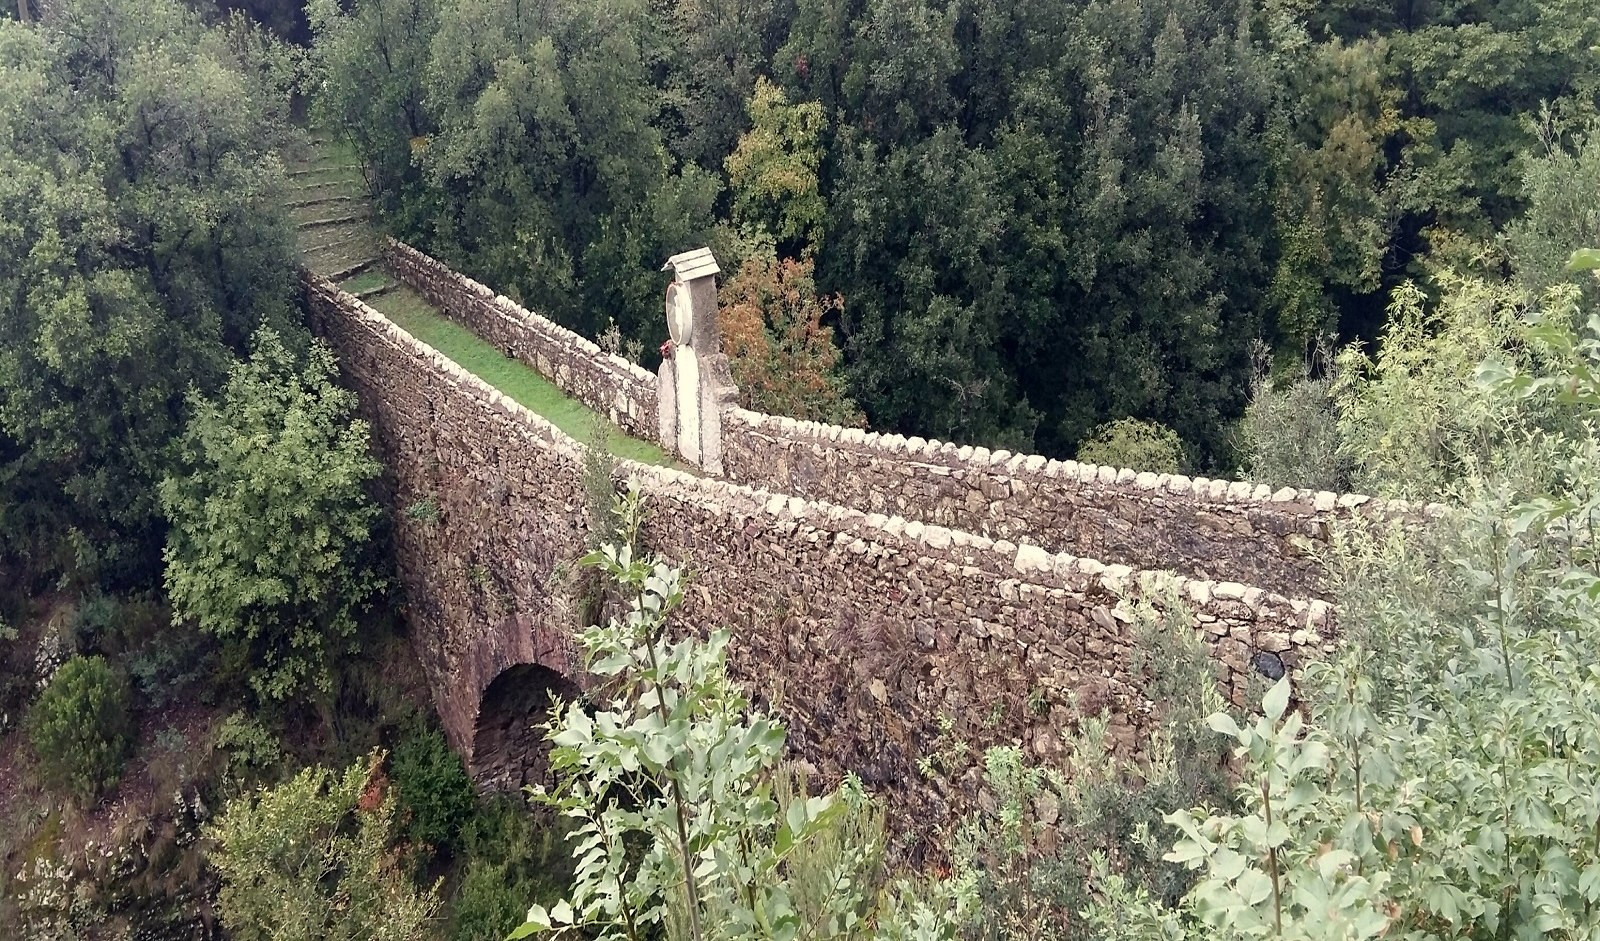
(538, 920)
(1253, 887)
(561, 913)
(1276, 701)
(1223, 723)
(1584, 259)
(1186, 852)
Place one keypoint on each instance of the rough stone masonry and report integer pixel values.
(1228, 530)
(893, 646)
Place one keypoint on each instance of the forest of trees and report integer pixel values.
(1333, 244)
(1038, 217)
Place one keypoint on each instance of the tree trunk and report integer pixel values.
(22, 11)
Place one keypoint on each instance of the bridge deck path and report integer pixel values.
(329, 206)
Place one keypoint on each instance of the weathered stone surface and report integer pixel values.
(1206, 529)
(608, 384)
(864, 631)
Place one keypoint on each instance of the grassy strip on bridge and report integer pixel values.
(327, 172)
(521, 382)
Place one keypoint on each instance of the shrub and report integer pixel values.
(261, 553)
(81, 727)
(1130, 442)
(313, 860)
(776, 330)
(1561, 183)
(252, 751)
(510, 862)
(164, 661)
(1414, 419)
(432, 784)
(491, 902)
(599, 490)
(423, 511)
(1289, 435)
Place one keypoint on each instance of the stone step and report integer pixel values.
(338, 186)
(362, 239)
(351, 271)
(331, 220)
(375, 292)
(307, 171)
(338, 260)
(322, 200)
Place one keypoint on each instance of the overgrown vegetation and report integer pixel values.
(144, 246)
(313, 860)
(1408, 419)
(1441, 782)
(514, 860)
(80, 727)
(146, 255)
(432, 786)
(271, 519)
(1141, 445)
(1289, 435)
(673, 786)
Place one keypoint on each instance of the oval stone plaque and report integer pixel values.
(680, 318)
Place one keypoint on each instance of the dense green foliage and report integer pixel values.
(1412, 420)
(311, 860)
(1039, 216)
(1471, 78)
(251, 751)
(270, 518)
(142, 247)
(513, 860)
(1289, 435)
(1129, 442)
(679, 766)
(433, 787)
(1445, 783)
(1408, 419)
(1563, 213)
(81, 728)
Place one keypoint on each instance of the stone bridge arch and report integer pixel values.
(509, 749)
(525, 668)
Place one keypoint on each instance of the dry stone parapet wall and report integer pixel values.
(605, 382)
(876, 637)
(1225, 530)
(1210, 529)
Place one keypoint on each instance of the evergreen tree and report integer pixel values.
(142, 246)
(270, 519)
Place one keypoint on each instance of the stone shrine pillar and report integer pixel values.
(694, 382)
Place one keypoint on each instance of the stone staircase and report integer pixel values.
(329, 206)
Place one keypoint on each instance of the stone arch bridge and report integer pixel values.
(886, 594)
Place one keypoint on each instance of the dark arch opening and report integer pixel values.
(508, 745)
